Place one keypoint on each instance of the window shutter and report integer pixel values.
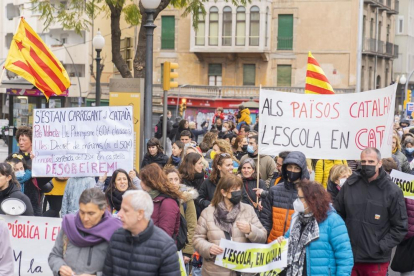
(214, 70)
(249, 74)
(285, 32)
(284, 75)
(167, 32)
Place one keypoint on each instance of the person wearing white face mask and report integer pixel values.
(318, 238)
(337, 177)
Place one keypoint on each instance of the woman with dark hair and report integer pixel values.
(191, 170)
(120, 183)
(239, 147)
(316, 227)
(165, 195)
(226, 218)
(248, 173)
(10, 188)
(82, 242)
(21, 169)
(222, 166)
(154, 154)
(177, 154)
(183, 125)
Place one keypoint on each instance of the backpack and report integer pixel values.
(158, 130)
(181, 238)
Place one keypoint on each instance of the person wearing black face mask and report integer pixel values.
(239, 147)
(279, 200)
(374, 212)
(226, 218)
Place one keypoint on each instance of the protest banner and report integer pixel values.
(32, 240)
(88, 141)
(335, 127)
(252, 257)
(405, 181)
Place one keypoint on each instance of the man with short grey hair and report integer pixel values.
(374, 211)
(140, 247)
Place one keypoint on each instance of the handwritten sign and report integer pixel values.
(89, 141)
(405, 181)
(336, 126)
(32, 239)
(253, 257)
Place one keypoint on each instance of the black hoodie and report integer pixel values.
(14, 192)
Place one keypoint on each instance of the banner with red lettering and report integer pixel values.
(84, 141)
(335, 126)
(32, 240)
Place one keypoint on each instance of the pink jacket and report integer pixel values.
(166, 214)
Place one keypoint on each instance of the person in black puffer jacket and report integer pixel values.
(140, 248)
(10, 188)
(154, 154)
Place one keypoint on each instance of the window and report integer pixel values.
(388, 33)
(167, 32)
(400, 25)
(201, 30)
(370, 78)
(266, 26)
(240, 26)
(249, 74)
(254, 26)
(363, 27)
(372, 29)
(214, 74)
(127, 52)
(284, 75)
(285, 32)
(378, 82)
(387, 70)
(214, 23)
(227, 26)
(379, 30)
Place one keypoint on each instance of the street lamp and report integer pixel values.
(98, 43)
(149, 6)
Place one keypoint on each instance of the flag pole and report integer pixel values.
(258, 160)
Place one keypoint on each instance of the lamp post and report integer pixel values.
(98, 43)
(149, 6)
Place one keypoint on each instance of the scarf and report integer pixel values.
(176, 160)
(394, 151)
(80, 236)
(116, 199)
(154, 194)
(225, 219)
(298, 242)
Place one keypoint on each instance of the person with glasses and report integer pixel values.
(278, 205)
(222, 165)
(318, 239)
(375, 214)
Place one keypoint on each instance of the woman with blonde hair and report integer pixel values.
(396, 150)
(226, 218)
(337, 177)
(222, 146)
(165, 195)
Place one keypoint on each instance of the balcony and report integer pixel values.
(285, 43)
(386, 5)
(384, 49)
(219, 92)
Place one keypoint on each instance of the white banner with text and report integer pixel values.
(85, 141)
(335, 127)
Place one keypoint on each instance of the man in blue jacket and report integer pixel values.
(373, 208)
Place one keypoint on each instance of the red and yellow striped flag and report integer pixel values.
(30, 58)
(316, 81)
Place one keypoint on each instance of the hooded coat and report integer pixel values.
(375, 215)
(278, 205)
(188, 210)
(245, 116)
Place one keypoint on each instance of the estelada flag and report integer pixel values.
(316, 81)
(30, 58)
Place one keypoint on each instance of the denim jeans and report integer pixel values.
(196, 271)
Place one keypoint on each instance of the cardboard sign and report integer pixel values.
(405, 181)
(32, 240)
(87, 141)
(253, 257)
(334, 127)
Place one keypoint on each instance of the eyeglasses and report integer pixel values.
(18, 156)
